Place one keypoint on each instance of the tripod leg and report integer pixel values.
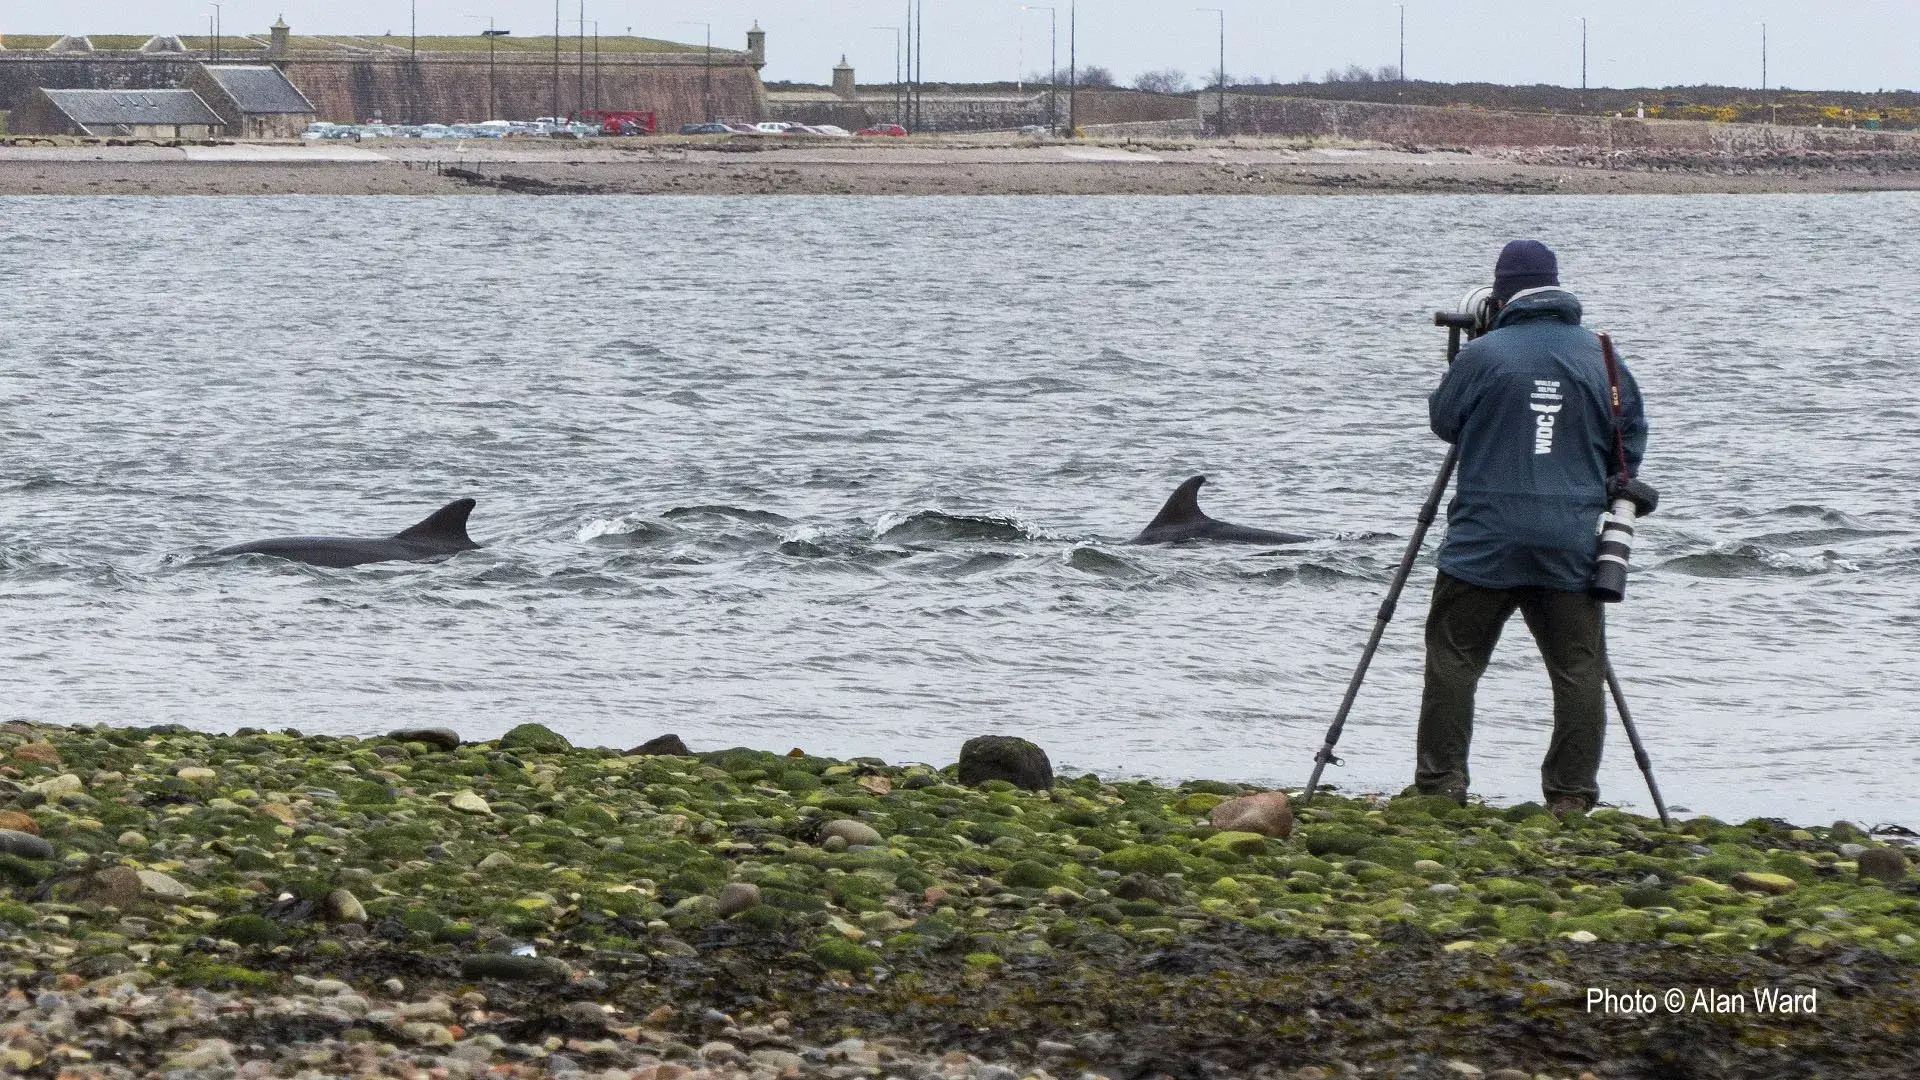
(1427, 513)
(1639, 752)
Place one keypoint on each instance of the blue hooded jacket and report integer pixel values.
(1528, 406)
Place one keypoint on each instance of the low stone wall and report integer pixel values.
(983, 112)
(1144, 129)
(1431, 126)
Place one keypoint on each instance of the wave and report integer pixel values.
(1819, 537)
(626, 531)
(1101, 563)
(727, 513)
(977, 563)
(1032, 384)
(1752, 560)
(1825, 515)
(936, 527)
(42, 483)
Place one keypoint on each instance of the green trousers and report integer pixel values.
(1463, 626)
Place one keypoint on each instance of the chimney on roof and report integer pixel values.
(843, 78)
(277, 41)
(757, 46)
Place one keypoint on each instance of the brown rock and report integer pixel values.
(1883, 864)
(1267, 813)
(664, 746)
(280, 811)
(36, 753)
(738, 896)
(116, 886)
(18, 822)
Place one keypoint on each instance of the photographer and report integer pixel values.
(1529, 407)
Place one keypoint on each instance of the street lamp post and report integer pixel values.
(709, 63)
(493, 100)
(216, 32)
(1220, 118)
(899, 113)
(1053, 65)
(1073, 69)
(1583, 54)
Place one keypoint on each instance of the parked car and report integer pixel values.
(743, 129)
(705, 129)
(772, 127)
(832, 131)
(882, 129)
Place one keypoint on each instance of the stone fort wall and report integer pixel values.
(437, 90)
(1434, 126)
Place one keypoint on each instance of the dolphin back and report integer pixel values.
(444, 528)
(1182, 519)
(1182, 507)
(442, 533)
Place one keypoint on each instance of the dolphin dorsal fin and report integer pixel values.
(1183, 506)
(449, 523)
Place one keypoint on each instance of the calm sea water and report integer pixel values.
(851, 475)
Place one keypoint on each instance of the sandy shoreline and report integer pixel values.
(923, 168)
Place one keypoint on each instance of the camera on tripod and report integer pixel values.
(1475, 314)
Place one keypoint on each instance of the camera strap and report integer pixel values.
(1619, 423)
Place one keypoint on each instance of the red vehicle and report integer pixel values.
(882, 129)
(620, 122)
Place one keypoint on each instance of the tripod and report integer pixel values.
(1456, 325)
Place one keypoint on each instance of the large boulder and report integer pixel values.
(1883, 864)
(437, 737)
(664, 746)
(852, 832)
(24, 844)
(1004, 757)
(1267, 813)
(538, 738)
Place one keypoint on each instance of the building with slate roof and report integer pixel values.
(254, 101)
(137, 114)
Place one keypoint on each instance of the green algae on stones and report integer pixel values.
(536, 738)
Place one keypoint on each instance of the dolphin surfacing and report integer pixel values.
(1182, 519)
(442, 533)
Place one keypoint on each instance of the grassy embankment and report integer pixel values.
(963, 916)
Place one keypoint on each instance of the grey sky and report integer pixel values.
(1861, 44)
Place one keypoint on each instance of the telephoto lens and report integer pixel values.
(1630, 500)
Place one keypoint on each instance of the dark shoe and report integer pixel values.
(1568, 804)
(1454, 793)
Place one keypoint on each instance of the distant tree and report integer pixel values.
(1090, 75)
(1165, 81)
(1388, 73)
(1354, 74)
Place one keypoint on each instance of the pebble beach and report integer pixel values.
(271, 903)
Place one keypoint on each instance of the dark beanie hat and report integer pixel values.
(1524, 264)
